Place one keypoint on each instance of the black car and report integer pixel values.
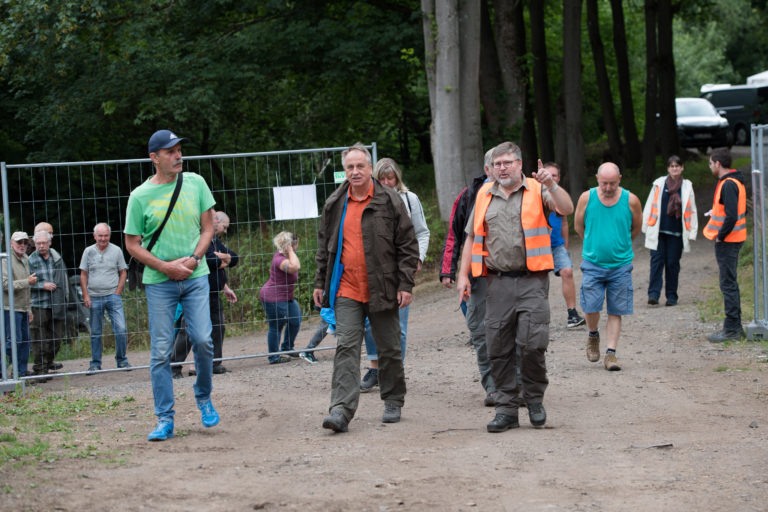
(699, 125)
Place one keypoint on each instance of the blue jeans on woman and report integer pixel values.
(113, 305)
(370, 343)
(22, 340)
(279, 315)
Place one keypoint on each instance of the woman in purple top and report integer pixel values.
(277, 297)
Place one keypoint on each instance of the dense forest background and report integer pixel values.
(434, 83)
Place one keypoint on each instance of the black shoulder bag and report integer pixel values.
(135, 267)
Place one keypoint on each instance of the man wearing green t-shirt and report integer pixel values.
(173, 273)
(607, 217)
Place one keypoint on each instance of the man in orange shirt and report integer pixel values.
(379, 256)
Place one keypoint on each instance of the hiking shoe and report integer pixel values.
(391, 413)
(220, 369)
(55, 366)
(652, 301)
(208, 414)
(723, 336)
(490, 399)
(611, 364)
(176, 372)
(93, 369)
(537, 415)
(126, 365)
(593, 348)
(575, 320)
(336, 421)
(370, 380)
(502, 422)
(163, 431)
(671, 302)
(281, 360)
(308, 357)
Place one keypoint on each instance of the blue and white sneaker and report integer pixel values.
(308, 357)
(209, 415)
(163, 431)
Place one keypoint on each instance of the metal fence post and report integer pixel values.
(8, 383)
(758, 328)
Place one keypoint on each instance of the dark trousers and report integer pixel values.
(45, 333)
(727, 256)
(666, 260)
(517, 315)
(181, 344)
(350, 326)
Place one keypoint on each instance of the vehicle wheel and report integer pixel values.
(741, 135)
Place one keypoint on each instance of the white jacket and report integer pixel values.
(420, 229)
(688, 201)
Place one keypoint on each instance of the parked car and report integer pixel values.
(743, 105)
(699, 125)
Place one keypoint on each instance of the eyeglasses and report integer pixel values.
(505, 163)
(22, 242)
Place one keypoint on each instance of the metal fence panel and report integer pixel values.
(758, 328)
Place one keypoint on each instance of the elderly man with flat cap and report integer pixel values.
(173, 272)
(22, 306)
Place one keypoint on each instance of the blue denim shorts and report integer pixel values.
(613, 284)
(562, 258)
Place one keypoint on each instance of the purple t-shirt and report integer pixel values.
(279, 287)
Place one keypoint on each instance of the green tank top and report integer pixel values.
(608, 232)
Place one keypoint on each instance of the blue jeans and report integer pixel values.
(113, 305)
(280, 314)
(22, 340)
(162, 299)
(614, 285)
(370, 343)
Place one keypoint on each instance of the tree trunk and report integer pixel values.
(511, 75)
(528, 145)
(603, 84)
(541, 80)
(651, 92)
(470, 131)
(631, 142)
(490, 81)
(572, 94)
(668, 121)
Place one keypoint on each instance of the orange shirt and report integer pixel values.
(354, 280)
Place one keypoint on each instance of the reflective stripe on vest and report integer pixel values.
(538, 245)
(654, 216)
(687, 214)
(739, 231)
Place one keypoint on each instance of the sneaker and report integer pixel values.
(611, 364)
(537, 415)
(490, 399)
(209, 415)
(176, 372)
(126, 365)
(652, 301)
(308, 357)
(723, 336)
(593, 348)
(93, 369)
(163, 431)
(391, 413)
(575, 320)
(220, 369)
(336, 422)
(370, 380)
(280, 360)
(502, 422)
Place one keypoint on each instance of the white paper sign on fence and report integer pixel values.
(298, 202)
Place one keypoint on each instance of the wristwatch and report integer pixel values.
(195, 257)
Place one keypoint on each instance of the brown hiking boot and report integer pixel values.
(611, 364)
(593, 348)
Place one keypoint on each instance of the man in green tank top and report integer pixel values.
(607, 218)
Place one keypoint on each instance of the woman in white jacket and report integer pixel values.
(670, 221)
(389, 174)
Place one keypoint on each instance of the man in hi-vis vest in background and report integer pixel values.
(508, 242)
(728, 228)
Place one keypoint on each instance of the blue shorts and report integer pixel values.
(613, 284)
(562, 258)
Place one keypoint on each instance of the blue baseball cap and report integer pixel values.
(163, 139)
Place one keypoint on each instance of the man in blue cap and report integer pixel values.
(173, 273)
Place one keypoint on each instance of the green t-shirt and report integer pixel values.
(146, 210)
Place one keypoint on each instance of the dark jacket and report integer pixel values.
(217, 277)
(60, 296)
(729, 198)
(391, 249)
(458, 221)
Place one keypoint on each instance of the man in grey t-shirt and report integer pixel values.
(103, 273)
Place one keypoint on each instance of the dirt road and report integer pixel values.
(684, 426)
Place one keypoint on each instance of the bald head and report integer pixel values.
(44, 226)
(608, 179)
(608, 170)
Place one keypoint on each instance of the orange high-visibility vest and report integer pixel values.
(653, 217)
(538, 248)
(739, 232)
